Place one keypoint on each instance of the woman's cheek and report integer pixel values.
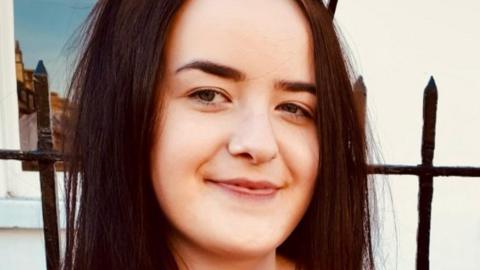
(300, 150)
(299, 147)
(188, 139)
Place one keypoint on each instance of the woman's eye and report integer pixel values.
(295, 110)
(209, 96)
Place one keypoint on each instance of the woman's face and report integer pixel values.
(236, 154)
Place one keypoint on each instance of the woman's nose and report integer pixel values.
(253, 138)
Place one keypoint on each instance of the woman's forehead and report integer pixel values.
(253, 36)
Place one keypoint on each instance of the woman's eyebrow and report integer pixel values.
(214, 69)
(295, 86)
(236, 75)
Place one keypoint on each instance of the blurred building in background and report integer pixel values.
(27, 108)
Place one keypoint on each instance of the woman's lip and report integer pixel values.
(253, 189)
(246, 183)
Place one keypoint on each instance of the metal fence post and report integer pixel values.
(46, 167)
(425, 192)
(360, 98)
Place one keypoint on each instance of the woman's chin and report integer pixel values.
(238, 246)
(247, 245)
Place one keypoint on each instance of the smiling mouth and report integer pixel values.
(246, 189)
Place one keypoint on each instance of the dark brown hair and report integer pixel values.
(113, 218)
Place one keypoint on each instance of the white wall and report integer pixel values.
(8, 88)
(22, 249)
(398, 45)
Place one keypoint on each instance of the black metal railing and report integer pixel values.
(425, 171)
(46, 158)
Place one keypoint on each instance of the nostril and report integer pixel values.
(246, 156)
(256, 157)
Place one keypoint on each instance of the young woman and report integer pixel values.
(215, 134)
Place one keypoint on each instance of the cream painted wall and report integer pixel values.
(8, 89)
(22, 249)
(397, 46)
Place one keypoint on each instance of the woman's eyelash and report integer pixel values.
(207, 96)
(295, 110)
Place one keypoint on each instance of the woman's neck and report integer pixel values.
(217, 263)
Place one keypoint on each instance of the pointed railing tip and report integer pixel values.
(332, 6)
(17, 46)
(431, 89)
(40, 69)
(359, 86)
(360, 79)
(431, 84)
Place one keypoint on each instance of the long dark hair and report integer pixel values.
(113, 218)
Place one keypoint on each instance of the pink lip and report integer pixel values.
(247, 188)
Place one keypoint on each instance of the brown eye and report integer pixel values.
(295, 110)
(291, 108)
(206, 95)
(209, 96)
